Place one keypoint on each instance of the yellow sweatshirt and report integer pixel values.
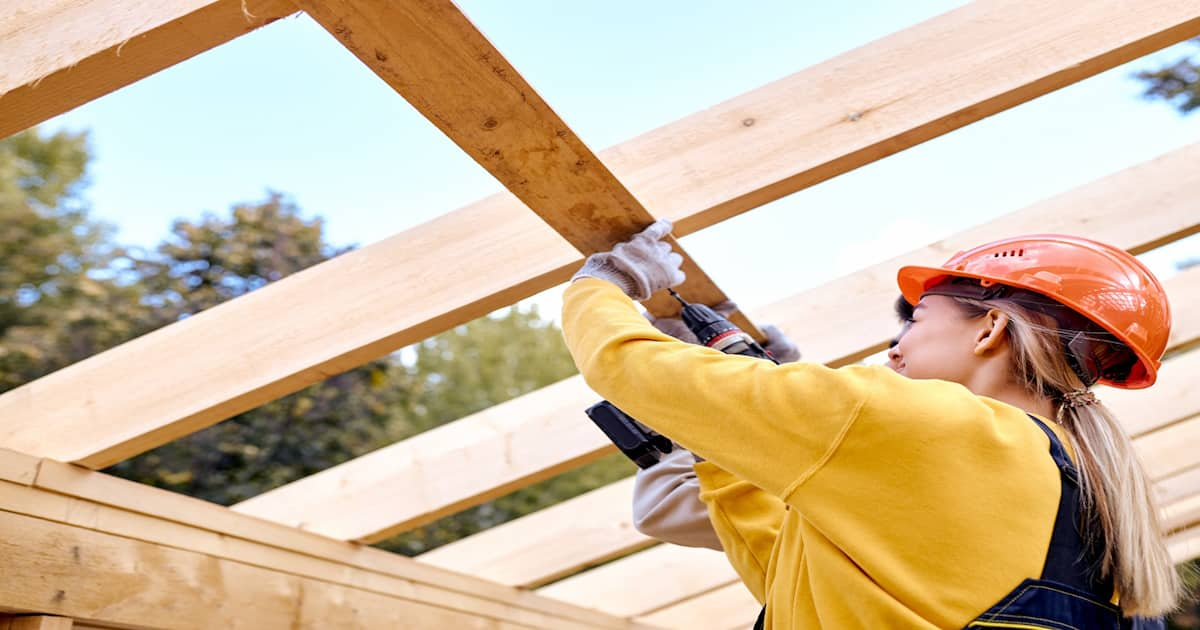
(905, 503)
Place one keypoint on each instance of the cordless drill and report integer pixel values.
(635, 440)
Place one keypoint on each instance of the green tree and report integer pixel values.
(62, 297)
(1177, 83)
(217, 258)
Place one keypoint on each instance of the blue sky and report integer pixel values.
(287, 108)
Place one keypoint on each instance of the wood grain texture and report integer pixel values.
(550, 543)
(35, 622)
(703, 168)
(156, 537)
(18, 467)
(646, 581)
(835, 323)
(59, 54)
(727, 608)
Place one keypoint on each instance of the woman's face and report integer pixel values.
(939, 343)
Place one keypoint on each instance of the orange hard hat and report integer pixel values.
(1105, 284)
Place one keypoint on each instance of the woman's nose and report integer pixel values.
(893, 355)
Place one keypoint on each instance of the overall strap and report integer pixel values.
(1071, 559)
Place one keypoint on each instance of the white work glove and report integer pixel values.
(640, 266)
(779, 345)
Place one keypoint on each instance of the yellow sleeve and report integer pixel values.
(725, 408)
(747, 521)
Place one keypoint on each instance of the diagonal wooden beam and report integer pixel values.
(493, 253)
(543, 433)
(431, 54)
(59, 54)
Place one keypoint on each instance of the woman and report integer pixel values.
(931, 501)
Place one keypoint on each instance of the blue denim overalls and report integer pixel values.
(1069, 595)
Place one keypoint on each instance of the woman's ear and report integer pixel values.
(993, 332)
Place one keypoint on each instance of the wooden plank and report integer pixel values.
(646, 581)
(157, 537)
(836, 323)
(1173, 449)
(728, 607)
(719, 162)
(1184, 545)
(108, 579)
(1182, 514)
(1173, 398)
(1179, 486)
(1185, 298)
(18, 467)
(431, 54)
(197, 525)
(550, 543)
(59, 54)
(36, 622)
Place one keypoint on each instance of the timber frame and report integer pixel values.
(82, 549)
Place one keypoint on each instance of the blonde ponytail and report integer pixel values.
(1117, 494)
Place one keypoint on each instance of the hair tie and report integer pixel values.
(1079, 398)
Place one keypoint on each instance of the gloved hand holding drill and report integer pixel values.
(640, 267)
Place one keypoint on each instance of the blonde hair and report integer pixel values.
(1116, 493)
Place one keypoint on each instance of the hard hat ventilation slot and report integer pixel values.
(1011, 253)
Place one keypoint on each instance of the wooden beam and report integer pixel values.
(93, 500)
(1174, 396)
(646, 581)
(550, 543)
(595, 526)
(59, 54)
(1184, 545)
(695, 172)
(1173, 449)
(35, 622)
(836, 323)
(729, 607)
(431, 54)
(18, 467)
(1179, 486)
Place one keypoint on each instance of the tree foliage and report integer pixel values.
(1177, 83)
(60, 298)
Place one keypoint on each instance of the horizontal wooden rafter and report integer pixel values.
(841, 321)
(550, 543)
(74, 496)
(811, 126)
(59, 54)
(646, 581)
(729, 607)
